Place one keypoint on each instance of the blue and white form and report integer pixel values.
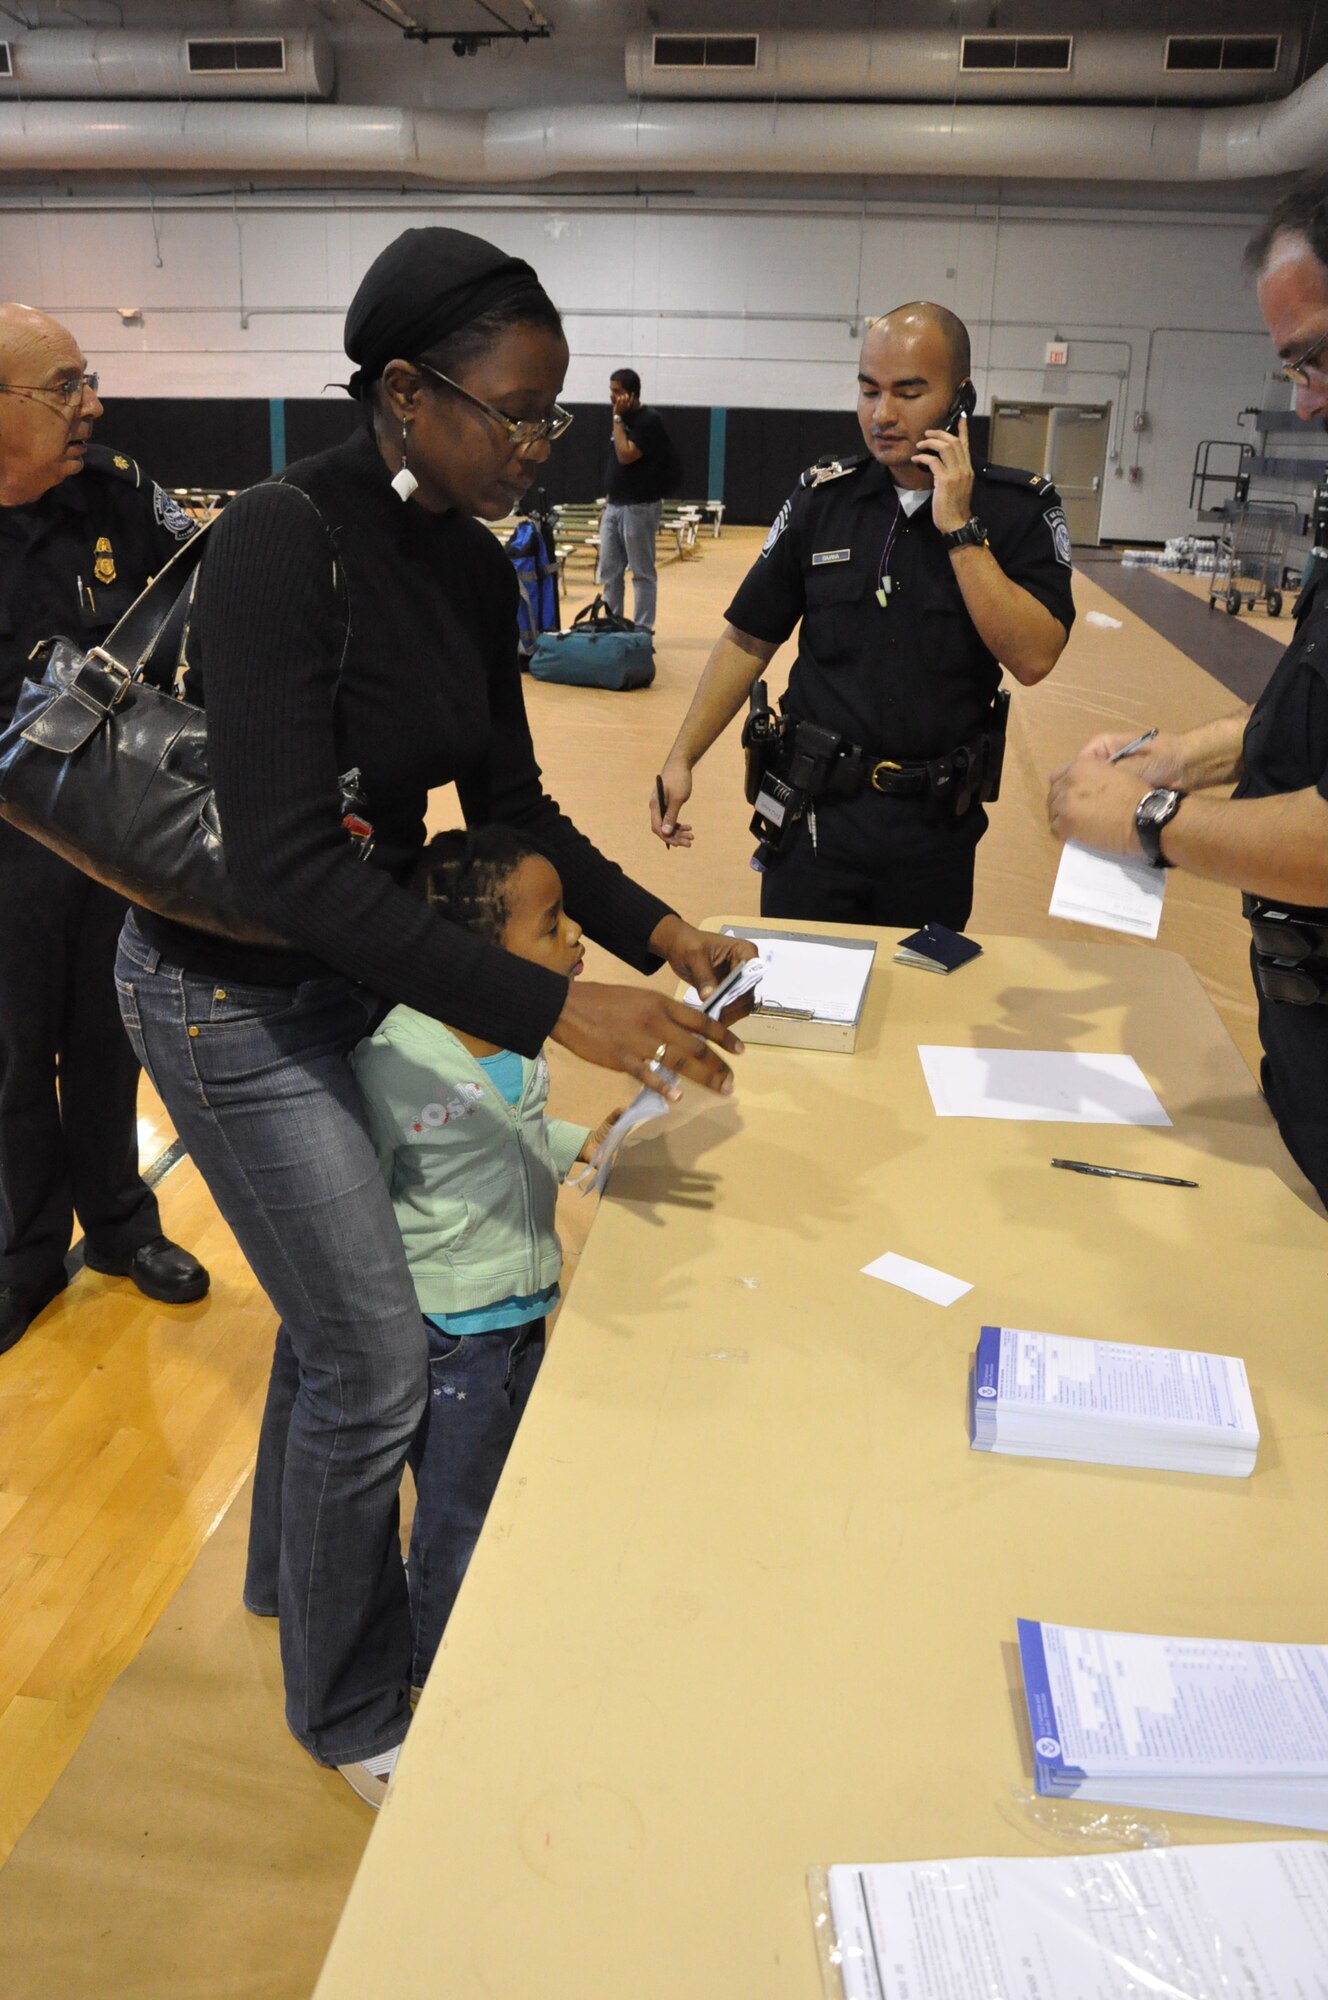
(1106, 1402)
(1226, 1727)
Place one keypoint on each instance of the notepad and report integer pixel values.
(1107, 1402)
(1234, 1728)
(1115, 891)
(1051, 1084)
(1247, 1921)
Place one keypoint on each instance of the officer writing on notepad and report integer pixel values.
(912, 577)
(1171, 799)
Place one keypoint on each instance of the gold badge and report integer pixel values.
(121, 464)
(103, 567)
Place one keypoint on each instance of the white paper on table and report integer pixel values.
(924, 1279)
(1063, 1086)
(1191, 1923)
(1116, 891)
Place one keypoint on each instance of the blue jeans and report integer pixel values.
(479, 1385)
(259, 1084)
(627, 535)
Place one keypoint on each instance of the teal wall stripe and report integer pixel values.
(276, 430)
(718, 430)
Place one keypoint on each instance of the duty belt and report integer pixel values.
(792, 764)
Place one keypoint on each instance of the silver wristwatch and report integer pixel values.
(1155, 810)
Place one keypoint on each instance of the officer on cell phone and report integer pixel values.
(913, 578)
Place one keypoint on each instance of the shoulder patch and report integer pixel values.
(1015, 475)
(1060, 535)
(171, 515)
(832, 468)
(777, 527)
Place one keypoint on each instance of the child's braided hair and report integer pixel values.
(462, 874)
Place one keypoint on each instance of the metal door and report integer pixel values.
(1019, 434)
(1075, 463)
(1067, 443)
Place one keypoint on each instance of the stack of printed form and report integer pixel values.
(1103, 1402)
(1232, 1728)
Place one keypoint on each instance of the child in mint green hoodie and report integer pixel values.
(473, 1165)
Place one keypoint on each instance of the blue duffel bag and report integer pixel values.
(599, 650)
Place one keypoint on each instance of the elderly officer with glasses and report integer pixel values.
(81, 531)
(1268, 837)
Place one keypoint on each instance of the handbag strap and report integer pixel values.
(149, 638)
(597, 617)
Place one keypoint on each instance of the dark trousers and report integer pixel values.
(71, 1148)
(1294, 1075)
(479, 1385)
(876, 861)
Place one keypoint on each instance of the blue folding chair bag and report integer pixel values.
(598, 650)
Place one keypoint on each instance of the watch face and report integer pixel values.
(1156, 807)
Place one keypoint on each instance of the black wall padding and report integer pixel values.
(765, 450)
(182, 441)
(191, 441)
(316, 423)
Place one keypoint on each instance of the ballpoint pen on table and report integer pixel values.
(1122, 1174)
(1128, 749)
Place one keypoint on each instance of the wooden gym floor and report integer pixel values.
(164, 1833)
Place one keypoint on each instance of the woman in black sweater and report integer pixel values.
(354, 614)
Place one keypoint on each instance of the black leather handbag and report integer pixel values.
(106, 763)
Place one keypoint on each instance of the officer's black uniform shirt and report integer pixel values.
(75, 560)
(913, 679)
(1286, 750)
(644, 479)
(1286, 738)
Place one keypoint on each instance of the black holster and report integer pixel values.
(1290, 952)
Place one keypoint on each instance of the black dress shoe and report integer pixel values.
(160, 1269)
(20, 1305)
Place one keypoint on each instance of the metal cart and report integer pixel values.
(1251, 556)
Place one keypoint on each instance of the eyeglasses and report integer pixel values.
(521, 434)
(1303, 371)
(68, 393)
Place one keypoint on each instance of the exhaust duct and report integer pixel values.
(920, 65)
(121, 64)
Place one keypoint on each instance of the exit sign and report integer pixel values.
(1058, 353)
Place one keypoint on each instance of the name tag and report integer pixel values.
(830, 556)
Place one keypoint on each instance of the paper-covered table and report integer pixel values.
(746, 1601)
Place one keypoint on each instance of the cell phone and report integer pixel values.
(963, 405)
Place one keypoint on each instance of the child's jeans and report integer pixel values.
(479, 1385)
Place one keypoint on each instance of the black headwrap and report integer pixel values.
(425, 285)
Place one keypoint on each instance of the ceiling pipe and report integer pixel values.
(1063, 142)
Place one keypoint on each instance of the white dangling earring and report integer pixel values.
(404, 482)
